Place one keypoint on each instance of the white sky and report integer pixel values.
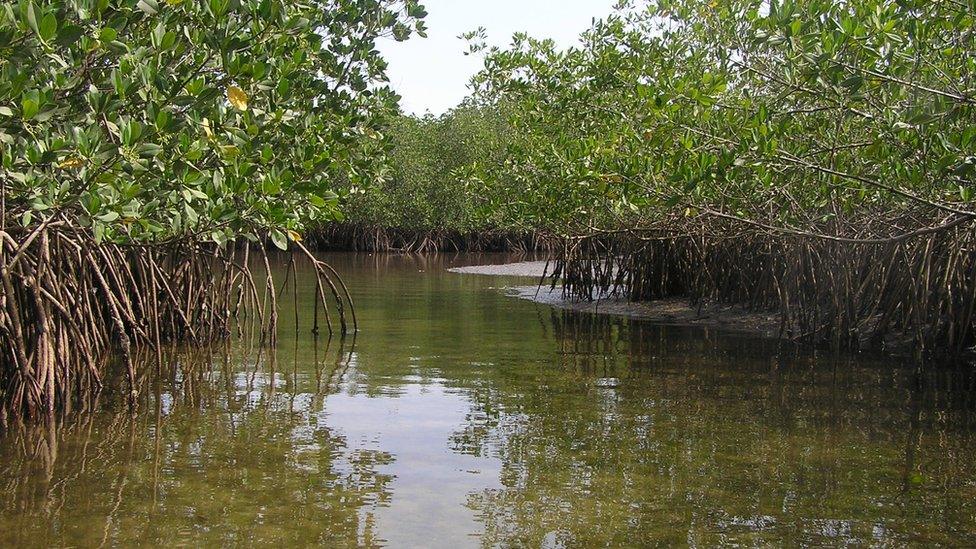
(432, 73)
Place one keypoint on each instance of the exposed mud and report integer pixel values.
(663, 311)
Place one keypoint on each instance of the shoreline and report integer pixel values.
(672, 312)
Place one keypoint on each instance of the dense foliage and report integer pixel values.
(437, 178)
(150, 120)
(807, 115)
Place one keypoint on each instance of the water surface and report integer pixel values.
(460, 417)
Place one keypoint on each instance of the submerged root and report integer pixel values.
(67, 303)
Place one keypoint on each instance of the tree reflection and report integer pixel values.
(665, 435)
(224, 458)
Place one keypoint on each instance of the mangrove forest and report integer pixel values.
(668, 273)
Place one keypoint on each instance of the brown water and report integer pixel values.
(463, 417)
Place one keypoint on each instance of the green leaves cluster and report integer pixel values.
(437, 177)
(152, 120)
(800, 114)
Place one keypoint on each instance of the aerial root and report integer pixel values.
(918, 292)
(68, 303)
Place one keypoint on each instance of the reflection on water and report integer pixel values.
(461, 417)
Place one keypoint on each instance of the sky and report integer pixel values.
(432, 73)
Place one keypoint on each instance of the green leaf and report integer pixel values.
(29, 108)
(158, 33)
(796, 27)
(219, 237)
(271, 186)
(168, 41)
(150, 7)
(48, 27)
(108, 34)
(279, 240)
(162, 120)
(33, 17)
(191, 215)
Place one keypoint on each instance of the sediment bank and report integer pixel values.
(671, 311)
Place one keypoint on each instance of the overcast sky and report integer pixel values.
(432, 73)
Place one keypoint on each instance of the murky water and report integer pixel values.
(462, 417)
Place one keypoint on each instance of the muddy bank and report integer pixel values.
(662, 311)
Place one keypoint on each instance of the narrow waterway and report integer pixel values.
(459, 416)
